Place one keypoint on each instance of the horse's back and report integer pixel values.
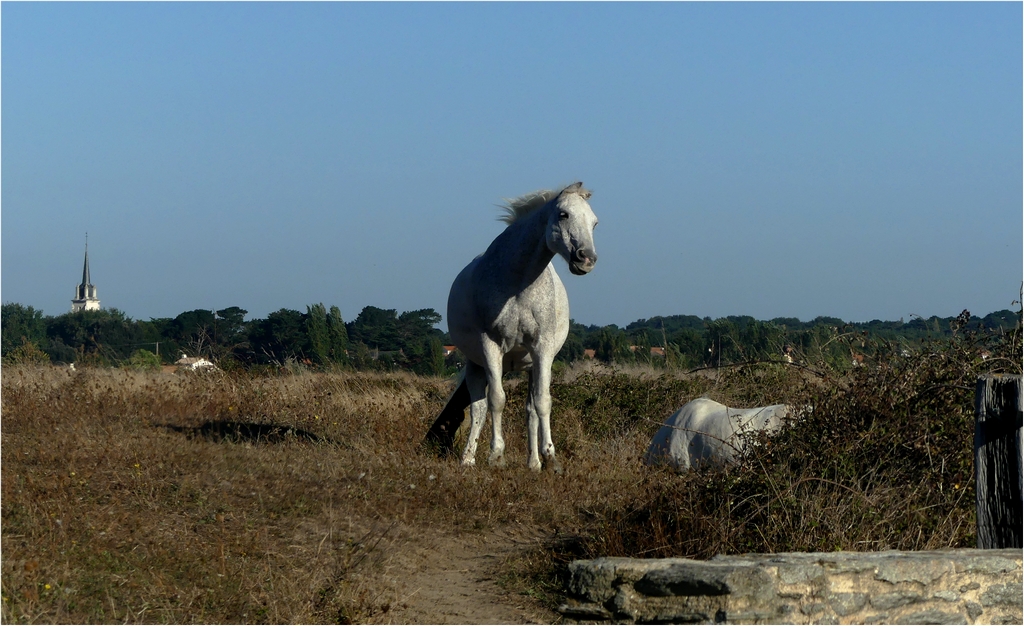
(705, 431)
(761, 418)
(675, 440)
(709, 430)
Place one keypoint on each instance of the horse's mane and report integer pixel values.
(518, 208)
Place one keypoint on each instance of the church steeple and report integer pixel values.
(85, 270)
(85, 294)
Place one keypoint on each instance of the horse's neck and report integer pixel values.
(521, 251)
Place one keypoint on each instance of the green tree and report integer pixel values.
(416, 338)
(280, 336)
(27, 353)
(572, 349)
(722, 342)
(318, 333)
(60, 352)
(437, 364)
(105, 336)
(143, 360)
(230, 324)
(762, 340)
(337, 336)
(415, 326)
(195, 331)
(377, 328)
(612, 345)
(19, 324)
(157, 333)
(361, 359)
(690, 348)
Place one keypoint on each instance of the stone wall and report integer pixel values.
(936, 587)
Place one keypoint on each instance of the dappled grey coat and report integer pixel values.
(704, 431)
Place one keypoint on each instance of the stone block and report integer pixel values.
(847, 603)
(690, 579)
(1003, 595)
(589, 611)
(931, 587)
(948, 596)
(974, 610)
(899, 568)
(888, 601)
(795, 573)
(932, 616)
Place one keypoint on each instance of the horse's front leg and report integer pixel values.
(532, 426)
(495, 402)
(540, 418)
(476, 384)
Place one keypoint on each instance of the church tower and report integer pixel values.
(85, 294)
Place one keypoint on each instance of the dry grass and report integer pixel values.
(111, 515)
(155, 497)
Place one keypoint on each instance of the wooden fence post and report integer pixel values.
(997, 461)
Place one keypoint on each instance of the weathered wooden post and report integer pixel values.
(997, 461)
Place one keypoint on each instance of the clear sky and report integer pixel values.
(857, 160)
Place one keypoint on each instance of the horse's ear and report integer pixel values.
(577, 188)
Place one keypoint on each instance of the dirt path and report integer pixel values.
(451, 579)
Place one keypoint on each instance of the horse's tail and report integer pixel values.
(441, 435)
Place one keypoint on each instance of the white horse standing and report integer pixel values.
(508, 310)
(706, 432)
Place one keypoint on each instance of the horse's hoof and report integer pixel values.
(534, 466)
(497, 461)
(551, 464)
(468, 462)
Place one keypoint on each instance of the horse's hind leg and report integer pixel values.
(476, 383)
(441, 435)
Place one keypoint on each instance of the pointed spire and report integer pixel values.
(85, 270)
(85, 294)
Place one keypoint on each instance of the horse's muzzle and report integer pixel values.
(583, 261)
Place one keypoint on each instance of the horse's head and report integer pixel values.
(570, 232)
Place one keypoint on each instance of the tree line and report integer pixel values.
(383, 339)
(691, 342)
(376, 339)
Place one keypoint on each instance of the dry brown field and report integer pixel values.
(162, 497)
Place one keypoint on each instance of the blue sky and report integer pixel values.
(857, 160)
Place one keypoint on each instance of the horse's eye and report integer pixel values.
(562, 215)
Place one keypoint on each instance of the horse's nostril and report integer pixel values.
(585, 256)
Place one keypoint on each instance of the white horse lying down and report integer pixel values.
(508, 310)
(704, 431)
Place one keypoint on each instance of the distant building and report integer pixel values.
(85, 294)
(194, 363)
